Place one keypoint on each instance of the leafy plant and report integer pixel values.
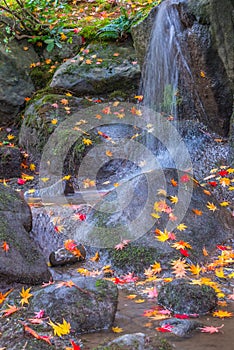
(38, 21)
(118, 28)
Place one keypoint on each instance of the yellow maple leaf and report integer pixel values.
(32, 167)
(54, 121)
(155, 215)
(25, 294)
(117, 329)
(181, 227)
(174, 199)
(195, 269)
(66, 177)
(219, 273)
(44, 179)
(224, 204)
(87, 141)
(156, 267)
(60, 329)
(139, 301)
(10, 137)
(222, 314)
(202, 74)
(63, 37)
(162, 236)
(211, 206)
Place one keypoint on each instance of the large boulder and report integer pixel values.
(15, 81)
(11, 159)
(87, 303)
(99, 69)
(206, 88)
(22, 263)
(106, 225)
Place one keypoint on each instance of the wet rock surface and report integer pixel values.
(23, 262)
(88, 304)
(11, 159)
(182, 297)
(180, 327)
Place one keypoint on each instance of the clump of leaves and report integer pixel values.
(118, 28)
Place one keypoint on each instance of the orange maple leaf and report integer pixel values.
(197, 212)
(3, 296)
(5, 246)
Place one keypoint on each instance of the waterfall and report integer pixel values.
(163, 61)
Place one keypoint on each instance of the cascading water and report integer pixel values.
(163, 61)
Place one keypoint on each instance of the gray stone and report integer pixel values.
(15, 81)
(114, 73)
(23, 263)
(182, 297)
(10, 161)
(89, 306)
(181, 327)
(134, 341)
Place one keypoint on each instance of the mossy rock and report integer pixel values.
(182, 297)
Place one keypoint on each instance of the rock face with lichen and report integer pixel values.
(22, 263)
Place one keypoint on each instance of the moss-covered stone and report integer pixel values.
(182, 297)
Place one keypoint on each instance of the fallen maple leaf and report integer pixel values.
(11, 310)
(197, 212)
(96, 257)
(60, 329)
(25, 294)
(211, 206)
(74, 346)
(211, 329)
(65, 284)
(174, 199)
(36, 335)
(222, 314)
(181, 227)
(165, 328)
(117, 329)
(5, 246)
(3, 296)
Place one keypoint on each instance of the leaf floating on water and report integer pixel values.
(211, 329)
(222, 314)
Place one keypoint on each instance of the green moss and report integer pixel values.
(133, 258)
(40, 76)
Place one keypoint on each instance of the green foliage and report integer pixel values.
(35, 20)
(118, 28)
